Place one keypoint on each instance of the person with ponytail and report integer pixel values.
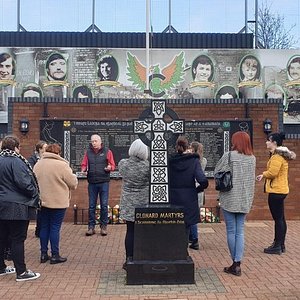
(277, 187)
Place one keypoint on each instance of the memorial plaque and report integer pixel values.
(74, 135)
(154, 224)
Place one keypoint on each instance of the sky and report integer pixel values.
(210, 16)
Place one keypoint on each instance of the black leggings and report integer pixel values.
(276, 205)
(129, 239)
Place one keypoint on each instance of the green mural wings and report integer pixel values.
(136, 72)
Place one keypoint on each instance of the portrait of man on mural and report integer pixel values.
(202, 69)
(56, 67)
(107, 68)
(293, 68)
(7, 67)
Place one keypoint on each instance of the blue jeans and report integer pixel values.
(51, 221)
(235, 234)
(193, 236)
(101, 189)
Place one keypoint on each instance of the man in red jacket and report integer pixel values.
(98, 162)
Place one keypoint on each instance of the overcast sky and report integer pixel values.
(226, 16)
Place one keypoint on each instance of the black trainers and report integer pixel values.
(7, 270)
(28, 275)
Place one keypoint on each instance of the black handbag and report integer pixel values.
(223, 179)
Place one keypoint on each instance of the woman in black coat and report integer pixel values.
(19, 198)
(184, 169)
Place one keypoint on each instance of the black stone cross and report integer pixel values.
(158, 128)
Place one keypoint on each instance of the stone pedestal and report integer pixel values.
(160, 247)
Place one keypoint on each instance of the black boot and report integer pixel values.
(275, 248)
(57, 259)
(44, 257)
(234, 269)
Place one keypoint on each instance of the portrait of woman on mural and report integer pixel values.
(32, 90)
(250, 69)
(226, 92)
(202, 69)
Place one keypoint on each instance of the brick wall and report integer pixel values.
(188, 110)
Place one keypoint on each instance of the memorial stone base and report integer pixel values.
(160, 248)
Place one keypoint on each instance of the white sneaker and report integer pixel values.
(28, 275)
(7, 270)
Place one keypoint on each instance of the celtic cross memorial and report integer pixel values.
(157, 128)
(160, 253)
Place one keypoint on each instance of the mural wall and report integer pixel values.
(174, 73)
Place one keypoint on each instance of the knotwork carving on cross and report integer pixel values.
(156, 127)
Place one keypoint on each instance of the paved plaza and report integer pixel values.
(94, 268)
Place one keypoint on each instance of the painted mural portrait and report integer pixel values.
(293, 69)
(107, 68)
(274, 91)
(32, 90)
(82, 92)
(202, 69)
(226, 92)
(7, 67)
(56, 67)
(250, 69)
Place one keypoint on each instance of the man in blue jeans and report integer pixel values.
(98, 162)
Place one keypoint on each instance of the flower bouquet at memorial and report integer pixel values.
(97, 216)
(115, 214)
(207, 215)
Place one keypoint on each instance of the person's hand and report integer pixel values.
(259, 177)
(84, 173)
(107, 168)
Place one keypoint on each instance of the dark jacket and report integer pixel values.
(33, 159)
(96, 165)
(18, 191)
(184, 169)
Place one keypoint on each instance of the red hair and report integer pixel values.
(241, 143)
(53, 148)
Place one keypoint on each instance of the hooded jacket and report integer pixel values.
(277, 171)
(184, 169)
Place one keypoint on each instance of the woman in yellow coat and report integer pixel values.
(276, 184)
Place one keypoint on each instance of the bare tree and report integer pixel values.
(271, 33)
